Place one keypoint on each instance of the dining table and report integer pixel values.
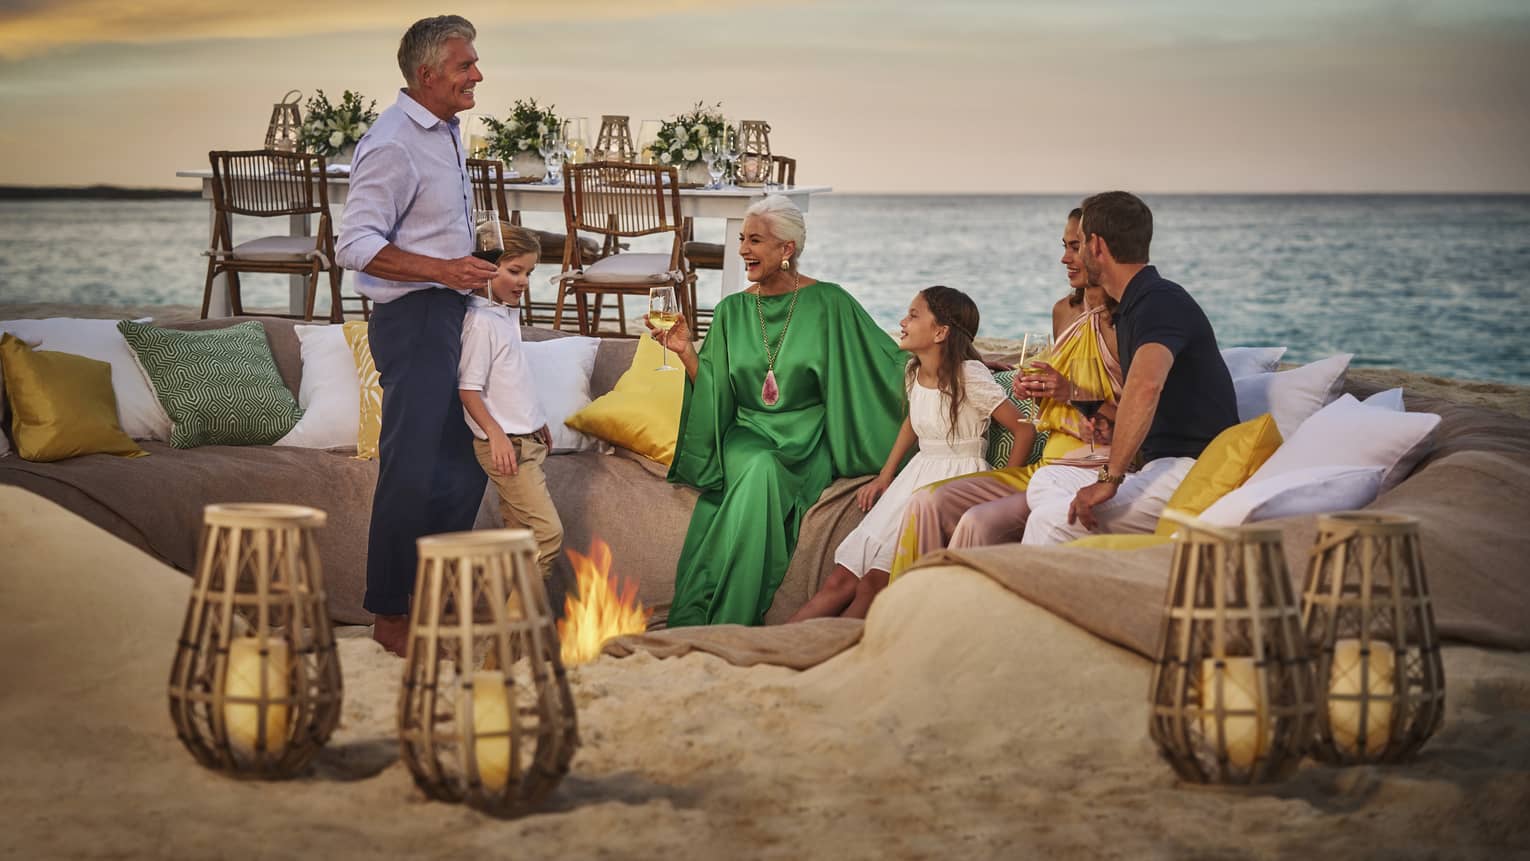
(727, 203)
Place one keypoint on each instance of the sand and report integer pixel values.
(967, 723)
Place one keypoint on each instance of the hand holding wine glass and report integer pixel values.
(663, 317)
(488, 242)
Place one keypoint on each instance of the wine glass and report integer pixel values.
(488, 242)
(553, 150)
(575, 137)
(1035, 348)
(478, 135)
(729, 150)
(648, 135)
(714, 161)
(663, 314)
(1087, 403)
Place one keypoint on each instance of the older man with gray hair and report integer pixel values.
(408, 234)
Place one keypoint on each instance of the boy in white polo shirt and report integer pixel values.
(499, 398)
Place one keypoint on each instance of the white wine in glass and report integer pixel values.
(663, 314)
(1035, 348)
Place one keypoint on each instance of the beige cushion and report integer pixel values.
(277, 249)
(704, 255)
(629, 267)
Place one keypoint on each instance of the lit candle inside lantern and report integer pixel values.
(1346, 687)
(491, 717)
(1247, 735)
(246, 667)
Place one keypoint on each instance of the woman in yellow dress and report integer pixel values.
(989, 507)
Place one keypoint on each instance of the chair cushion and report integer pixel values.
(277, 249)
(62, 405)
(220, 386)
(703, 255)
(620, 268)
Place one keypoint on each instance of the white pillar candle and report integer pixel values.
(1247, 735)
(1345, 687)
(246, 668)
(491, 717)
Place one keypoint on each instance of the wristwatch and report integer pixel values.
(1106, 478)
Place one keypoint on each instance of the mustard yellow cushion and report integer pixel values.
(371, 390)
(642, 413)
(1119, 542)
(62, 405)
(1224, 466)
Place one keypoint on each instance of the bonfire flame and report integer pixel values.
(599, 610)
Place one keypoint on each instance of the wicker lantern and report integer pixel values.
(1370, 629)
(1232, 692)
(485, 714)
(255, 687)
(754, 164)
(286, 123)
(614, 142)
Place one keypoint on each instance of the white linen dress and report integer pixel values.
(941, 455)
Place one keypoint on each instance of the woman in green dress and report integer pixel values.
(793, 387)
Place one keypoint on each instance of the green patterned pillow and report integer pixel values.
(1000, 440)
(220, 386)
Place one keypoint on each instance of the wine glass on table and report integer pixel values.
(712, 155)
(663, 314)
(488, 242)
(553, 150)
(574, 139)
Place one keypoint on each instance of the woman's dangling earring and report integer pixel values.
(786, 265)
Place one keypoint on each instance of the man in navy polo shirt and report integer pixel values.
(1178, 393)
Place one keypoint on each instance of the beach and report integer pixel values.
(967, 722)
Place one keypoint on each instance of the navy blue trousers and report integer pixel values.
(428, 480)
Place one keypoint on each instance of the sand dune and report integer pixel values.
(967, 722)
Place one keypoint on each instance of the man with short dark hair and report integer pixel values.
(408, 235)
(1178, 394)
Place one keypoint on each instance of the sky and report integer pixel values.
(1157, 96)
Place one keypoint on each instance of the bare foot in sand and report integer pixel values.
(392, 632)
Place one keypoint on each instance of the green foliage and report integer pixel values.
(329, 128)
(520, 132)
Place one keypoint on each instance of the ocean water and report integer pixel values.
(1436, 284)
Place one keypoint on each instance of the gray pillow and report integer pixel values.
(220, 386)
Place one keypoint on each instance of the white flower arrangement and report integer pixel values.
(527, 124)
(680, 140)
(328, 128)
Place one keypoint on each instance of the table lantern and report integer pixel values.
(286, 123)
(485, 713)
(1370, 629)
(1232, 693)
(614, 142)
(255, 687)
(754, 164)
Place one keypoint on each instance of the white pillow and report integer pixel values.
(1349, 433)
(1317, 490)
(627, 267)
(1291, 396)
(562, 368)
(1391, 399)
(329, 393)
(1247, 361)
(138, 408)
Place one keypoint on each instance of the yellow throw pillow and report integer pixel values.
(371, 390)
(642, 413)
(62, 405)
(1224, 466)
(1118, 542)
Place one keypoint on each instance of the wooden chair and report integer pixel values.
(616, 200)
(268, 184)
(488, 180)
(709, 255)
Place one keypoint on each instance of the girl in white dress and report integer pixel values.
(951, 397)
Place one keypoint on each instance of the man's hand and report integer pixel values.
(502, 454)
(1082, 508)
(466, 273)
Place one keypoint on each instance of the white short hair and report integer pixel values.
(783, 219)
(424, 44)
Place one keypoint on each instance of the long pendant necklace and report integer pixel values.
(770, 393)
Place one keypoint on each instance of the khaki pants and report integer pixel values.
(524, 502)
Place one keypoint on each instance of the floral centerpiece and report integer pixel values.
(332, 130)
(679, 141)
(527, 124)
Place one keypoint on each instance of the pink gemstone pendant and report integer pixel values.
(770, 393)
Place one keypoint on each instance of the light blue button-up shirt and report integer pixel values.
(409, 188)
